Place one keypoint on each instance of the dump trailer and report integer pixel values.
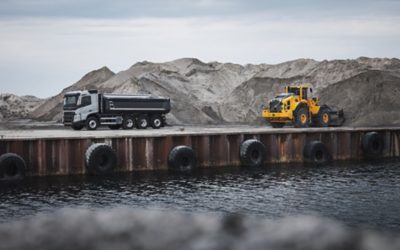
(92, 109)
(296, 107)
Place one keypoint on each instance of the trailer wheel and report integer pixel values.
(142, 122)
(372, 145)
(12, 167)
(252, 153)
(128, 122)
(156, 121)
(316, 152)
(92, 123)
(100, 159)
(182, 159)
(324, 117)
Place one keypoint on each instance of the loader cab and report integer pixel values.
(300, 91)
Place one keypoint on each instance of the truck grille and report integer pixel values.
(275, 106)
(68, 117)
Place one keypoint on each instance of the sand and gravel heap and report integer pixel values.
(17, 107)
(218, 93)
(138, 229)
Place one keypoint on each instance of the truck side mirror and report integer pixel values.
(310, 90)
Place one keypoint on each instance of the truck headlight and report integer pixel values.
(77, 117)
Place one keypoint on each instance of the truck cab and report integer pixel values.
(78, 105)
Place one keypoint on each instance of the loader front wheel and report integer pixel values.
(301, 118)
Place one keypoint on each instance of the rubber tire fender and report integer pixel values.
(316, 152)
(182, 158)
(12, 167)
(372, 145)
(252, 153)
(100, 159)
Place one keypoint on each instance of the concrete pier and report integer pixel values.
(62, 151)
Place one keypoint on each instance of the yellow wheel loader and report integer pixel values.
(294, 106)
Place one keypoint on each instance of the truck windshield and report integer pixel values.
(70, 101)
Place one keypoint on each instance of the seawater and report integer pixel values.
(363, 195)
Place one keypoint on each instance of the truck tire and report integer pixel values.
(315, 152)
(142, 122)
(324, 117)
(128, 122)
(252, 153)
(156, 121)
(101, 159)
(182, 159)
(77, 127)
(301, 118)
(372, 145)
(92, 123)
(12, 167)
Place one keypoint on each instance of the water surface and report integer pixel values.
(358, 194)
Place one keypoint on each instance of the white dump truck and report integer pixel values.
(91, 109)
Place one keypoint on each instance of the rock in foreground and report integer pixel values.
(131, 229)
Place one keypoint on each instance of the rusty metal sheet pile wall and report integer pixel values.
(67, 156)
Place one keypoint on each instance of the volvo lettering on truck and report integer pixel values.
(91, 109)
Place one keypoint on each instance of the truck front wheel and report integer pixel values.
(92, 123)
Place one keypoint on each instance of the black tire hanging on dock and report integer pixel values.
(252, 153)
(315, 152)
(12, 167)
(182, 158)
(100, 158)
(372, 145)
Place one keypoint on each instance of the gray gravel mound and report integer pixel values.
(136, 229)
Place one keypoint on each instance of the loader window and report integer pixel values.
(304, 93)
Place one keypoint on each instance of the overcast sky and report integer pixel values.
(46, 45)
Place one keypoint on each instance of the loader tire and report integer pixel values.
(324, 117)
(301, 118)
